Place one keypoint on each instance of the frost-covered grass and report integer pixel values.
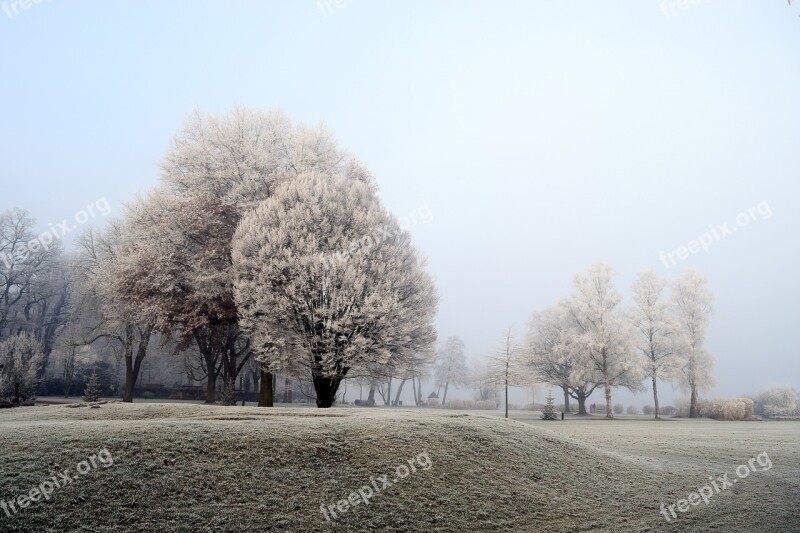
(188, 467)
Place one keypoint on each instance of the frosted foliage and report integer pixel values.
(451, 363)
(550, 346)
(654, 327)
(602, 333)
(174, 264)
(374, 308)
(21, 357)
(692, 305)
(243, 156)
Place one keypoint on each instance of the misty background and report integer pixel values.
(536, 151)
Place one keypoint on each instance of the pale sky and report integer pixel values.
(542, 135)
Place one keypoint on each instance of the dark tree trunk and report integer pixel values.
(371, 395)
(581, 403)
(287, 393)
(399, 390)
(506, 383)
(566, 400)
(265, 391)
(444, 398)
(655, 396)
(693, 403)
(326, 390)
(134, 364)
(211, 389)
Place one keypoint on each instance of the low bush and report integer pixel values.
(778, 401)
(632, 410)
(461, 404)
(725, 409)
(486, 405)
(668, 410)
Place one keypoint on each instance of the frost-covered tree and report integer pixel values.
(549, 410)
(778, 400)
(21, 357)
(691, 302)
(243, 156)
(217, 169)
(654, 330)
(104, 316)
(505, 368)
(602, 334)
(34, 285)
(93, 390)
(375, 308)
(451, 365)
(554, 356)
(481, 381)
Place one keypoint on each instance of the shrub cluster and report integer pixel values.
(778, 401)
(725, 409)
(472, 404)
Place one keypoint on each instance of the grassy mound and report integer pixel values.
(181, 467)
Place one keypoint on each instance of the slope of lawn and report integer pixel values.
(182, 467)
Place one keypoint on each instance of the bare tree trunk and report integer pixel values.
(444, 398)
(693, 403)
(414, 385)
(69, 372)
(326, 390)
(286, 395)
(211, 389)
(134, 364)
(581, 402)
(265, 392)
(371, 395)
(506, 383)
(655, 396)
(399, 390)
(566, 400)
(609, 407)
(388, 399)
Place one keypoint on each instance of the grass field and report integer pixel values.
(186, 467)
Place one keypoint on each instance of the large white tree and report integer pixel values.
(505, 367)
(692, 305)
(34, 282)
(451, 365)
(552, 353)
(21, 357)
(374, 305)
(654, 330)
(217, 168)
(105, 318)
(602, 333)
